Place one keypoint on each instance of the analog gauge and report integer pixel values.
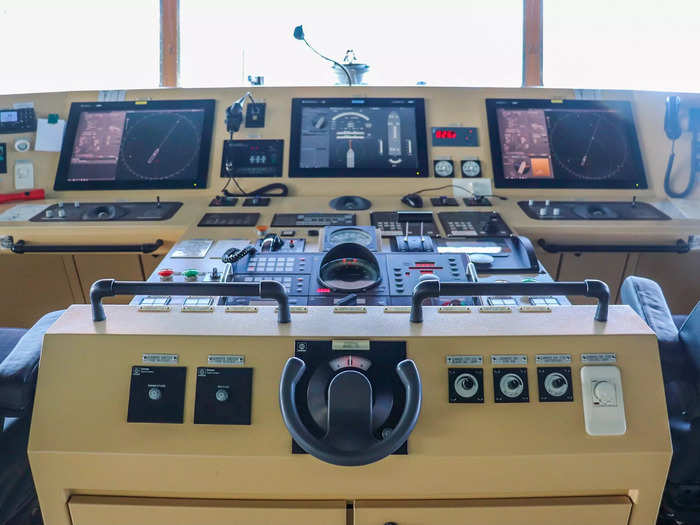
(350, 361)
(443, 168)
(590, 145)
(160, 146)
(471, 168)
(350, 235)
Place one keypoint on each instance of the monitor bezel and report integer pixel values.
(421, 171)
(622, 106)
(77, 108)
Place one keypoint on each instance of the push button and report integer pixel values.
(166, 274)
(190, 275)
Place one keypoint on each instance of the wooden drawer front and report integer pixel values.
(99, 510)
(604, 510)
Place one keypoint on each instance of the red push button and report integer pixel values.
(166, 274)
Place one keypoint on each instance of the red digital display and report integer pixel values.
(445, 134)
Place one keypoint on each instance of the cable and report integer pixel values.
(667, 177)
(461, 188)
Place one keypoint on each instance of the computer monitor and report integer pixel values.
(136, 145)
(366, 137)
(564, 144)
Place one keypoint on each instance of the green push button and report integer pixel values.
(190, 275)
(529, 280)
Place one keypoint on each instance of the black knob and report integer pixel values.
(467, 383)
(513, 384)
(558, 382)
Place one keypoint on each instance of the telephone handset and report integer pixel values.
(673, 130)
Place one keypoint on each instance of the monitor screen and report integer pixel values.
(136, 145)
(372, 137)
(564, 144)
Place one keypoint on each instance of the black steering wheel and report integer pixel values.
(349, 440)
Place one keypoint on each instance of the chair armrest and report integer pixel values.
(18, 370)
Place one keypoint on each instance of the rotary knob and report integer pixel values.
(155, 393)
(511, 385)
(466, 385)
(556, 384)
(604, 393)
(221, 395)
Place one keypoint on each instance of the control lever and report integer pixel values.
(349, 440)
(264, 289)
(434, 288)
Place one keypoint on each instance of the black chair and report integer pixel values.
(679, 351)
(19, 361)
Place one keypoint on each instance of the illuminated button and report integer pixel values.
(166, 274)
(221, 395)
(155, 393)
(190, 275)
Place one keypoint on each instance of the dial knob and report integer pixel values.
(556, 212)
(604, 393)
(49, 214)
(221, 395)
(543, 212)
(556, 384)
(547, 203)
(61, 213)
(511, 385)
(466, 385)
(155, 393)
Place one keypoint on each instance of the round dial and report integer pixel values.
(349, 275)
(471, 168)
(160, 146)
(350, 235)
(590, 145)
(443, 168)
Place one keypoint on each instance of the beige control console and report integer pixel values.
(515, 415)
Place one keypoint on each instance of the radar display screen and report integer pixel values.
(358, 138)
(564, 144)
(136, 145)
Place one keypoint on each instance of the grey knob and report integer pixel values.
(547, 203)
(543, 212)
(76, 204)
(556, 212)
(61, 213)
(155, 393)
(221, 395)
(531, 203)
(48, 214)
(60, 204)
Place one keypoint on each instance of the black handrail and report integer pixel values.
(22, 247)
(264, 289)
(434, 288)
(680, 246)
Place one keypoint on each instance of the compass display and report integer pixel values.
(564, 144)
(136, 145)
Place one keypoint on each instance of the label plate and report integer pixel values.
(160, 359)
(465, 360)
(509, 359)
(553, 359)
(599, 358)
(225, 359)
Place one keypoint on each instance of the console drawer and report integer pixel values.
(601, 510)
(108, 510)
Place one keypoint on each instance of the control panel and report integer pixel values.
(108, 211)
(17, 120)
(312, 220)
(473, 224)
(592, 210)
(252, 158)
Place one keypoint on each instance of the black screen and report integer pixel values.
(358, 138)
(136, 145)
(564, 144)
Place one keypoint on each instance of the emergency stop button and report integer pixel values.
(166, 274)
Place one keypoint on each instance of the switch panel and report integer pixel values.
(510, 385)
(466, 385)
(603, 404)
(157, 394)
(554, 384)
(223, 396)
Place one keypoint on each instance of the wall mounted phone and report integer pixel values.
(673, 130)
